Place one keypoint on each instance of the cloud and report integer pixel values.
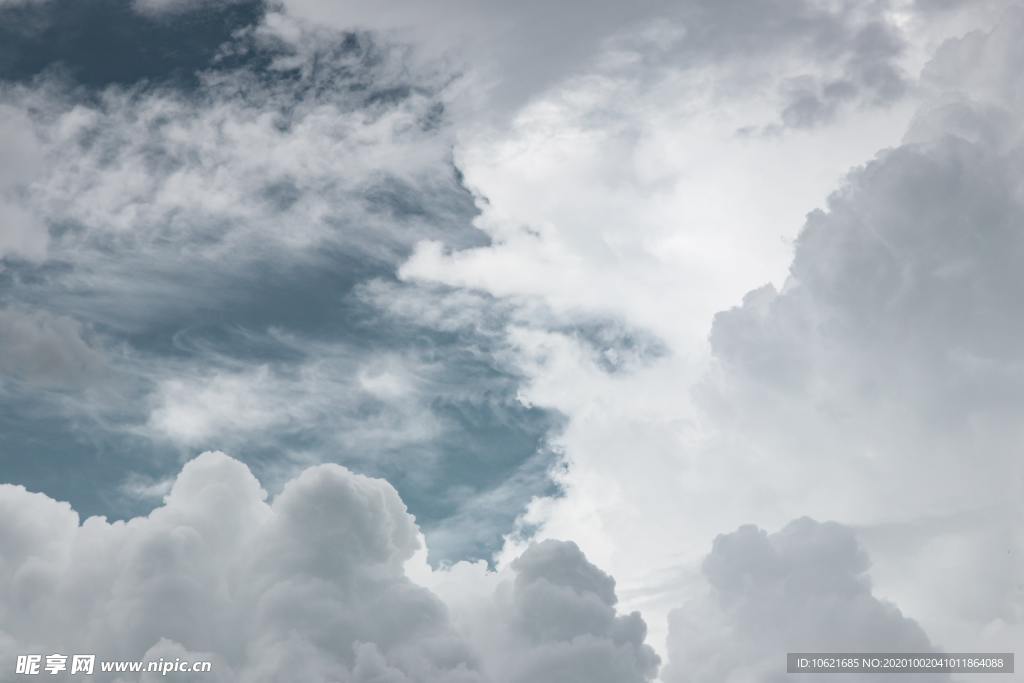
(213, 236)
(225, 405)
(895, 337)
(47, 350)
(282, 169)
(479, 453)
(565, 607)
(510, 54)
(162, 8)
(310, 585)
(42, 37)
(647, 182)
(549, 615)
(801, 589)
(876, 382)
(633, 196)
(149, 167)
(899, 306)
(270, 587)
(22, 233)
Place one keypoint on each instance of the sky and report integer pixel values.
(482, 342)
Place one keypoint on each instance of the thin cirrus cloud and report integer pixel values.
(204, 248)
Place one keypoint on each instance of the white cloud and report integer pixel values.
(359, 401)
(245, 166)
(309, 586)
(189, 223)
(612, 191)
(892, 348)
(161, 8)
(801, 589)
(876, 385)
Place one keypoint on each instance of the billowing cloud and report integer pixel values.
(875, 383)
(801, 589)
(553, 619)
(895, 335)
(309, 586)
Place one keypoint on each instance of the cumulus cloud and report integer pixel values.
(309, 586)
(876, 383)
(168, 188)
(565, 608)
(801, 589)
(552, 618)
(381, 402)
(895, 332)
(657, 153)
